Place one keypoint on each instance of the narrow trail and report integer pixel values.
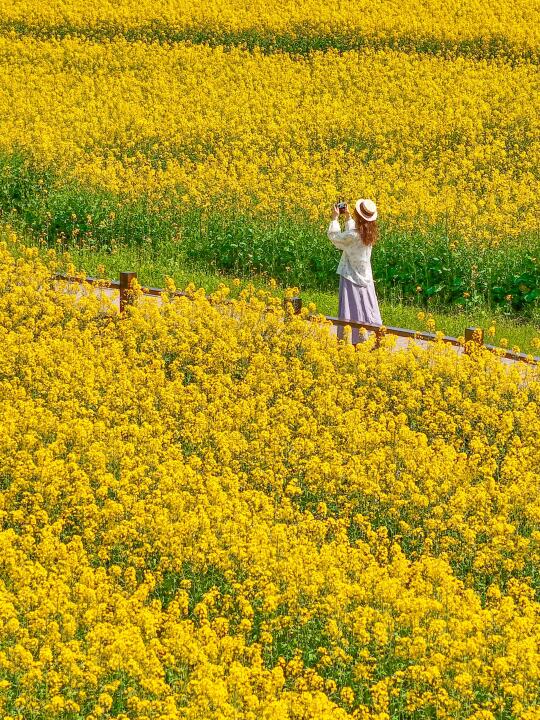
(530, 371)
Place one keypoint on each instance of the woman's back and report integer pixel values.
(357, 298)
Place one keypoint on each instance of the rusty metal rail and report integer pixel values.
(471, 334)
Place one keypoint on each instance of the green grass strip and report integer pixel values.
(301, 40)
(424, 270)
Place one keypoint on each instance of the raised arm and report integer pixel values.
(338, 238)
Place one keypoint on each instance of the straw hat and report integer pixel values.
(366, 209)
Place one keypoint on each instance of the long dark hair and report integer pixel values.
(369, 232)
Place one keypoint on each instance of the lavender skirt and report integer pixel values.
(359, 304)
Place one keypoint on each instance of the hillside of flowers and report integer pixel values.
(435, 141)
(258, 114)
(213, 510)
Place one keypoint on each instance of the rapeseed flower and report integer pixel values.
(214, 511)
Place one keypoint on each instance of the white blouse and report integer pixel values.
(355, 263)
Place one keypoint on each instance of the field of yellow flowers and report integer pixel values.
(434, 141)
(214, 511)
(269, 111)
(468, 26)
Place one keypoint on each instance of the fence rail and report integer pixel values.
(471, 334)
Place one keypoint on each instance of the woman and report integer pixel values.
(357, 298)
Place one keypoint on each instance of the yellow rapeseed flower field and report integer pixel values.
(211, 509)
(437, 142)
(216, 511)
(505, 25)
(160, 113)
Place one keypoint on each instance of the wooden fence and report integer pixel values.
(471, 334)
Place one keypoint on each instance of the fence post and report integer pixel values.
(473, 335)
(126, 279)
(379, 334)
(296, 303)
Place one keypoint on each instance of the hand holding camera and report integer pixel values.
(339, 208)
